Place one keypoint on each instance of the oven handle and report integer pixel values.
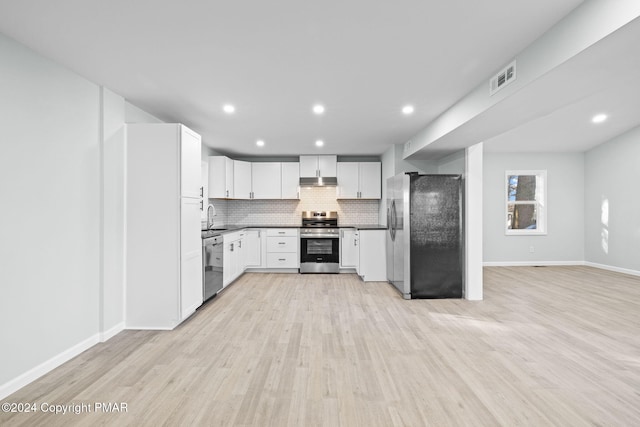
(319, 236)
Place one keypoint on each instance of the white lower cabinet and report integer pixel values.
(255, 243)
(234, 259)
(364, 251)
(283, 248)
(372, 258)
(349, 251)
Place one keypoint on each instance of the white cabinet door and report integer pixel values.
(190, 257)
(349, 250)
(228, 262)
(190, 152)
(241, 179)
(220, 177)
(370, 177)
(348, 176)
(266, 180)
(373, 266)
(327, 165)
(204, 189)
(309, 166)
(290, 180)
(253, 248)
(314, 166)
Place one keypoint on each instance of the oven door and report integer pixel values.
(319, 254)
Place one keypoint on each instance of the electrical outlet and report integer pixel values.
(532, 249)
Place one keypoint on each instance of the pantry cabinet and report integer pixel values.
(164, 266)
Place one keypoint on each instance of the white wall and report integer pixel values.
(564, 242)
(612, 205)
(393, 164)
(50, 219)
(135, 114)
(113, 238)
(453, 163)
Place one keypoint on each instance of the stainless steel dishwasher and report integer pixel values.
(212, 260)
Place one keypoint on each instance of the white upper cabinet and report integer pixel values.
(316, 166)
(290, 180)
(359, 180)
(190, 182)
(241, 179)
(370, 176)
(348, 180)
(266, 180)
(220, 177)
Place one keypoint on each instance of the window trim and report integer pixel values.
(541, 205)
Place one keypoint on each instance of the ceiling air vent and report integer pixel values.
(503, 78)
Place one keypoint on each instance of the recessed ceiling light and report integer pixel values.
(260, 143)
(407, 109)
(318, 109)
(599, 118)
(229, 109)
(319, 143)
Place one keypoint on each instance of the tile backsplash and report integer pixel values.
(288, 212)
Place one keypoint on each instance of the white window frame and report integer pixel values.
(540, 203)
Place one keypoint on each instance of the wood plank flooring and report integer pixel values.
(551, 346)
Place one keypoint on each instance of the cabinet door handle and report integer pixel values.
(201, 205)
(201, 191)
(240, 244)
(231, 247)
(227, 193)
(281, 259)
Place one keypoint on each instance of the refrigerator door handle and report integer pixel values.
(394, 220)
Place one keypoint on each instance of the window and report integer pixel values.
(526, 204)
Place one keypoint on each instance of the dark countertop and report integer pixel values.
(219, 230)
(224, 229)
(365, 226)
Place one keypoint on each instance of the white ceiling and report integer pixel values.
(362, 59)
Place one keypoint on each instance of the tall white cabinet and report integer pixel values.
(164, 249)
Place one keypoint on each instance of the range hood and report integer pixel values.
(327, 181)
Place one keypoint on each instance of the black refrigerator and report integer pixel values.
(425, 239)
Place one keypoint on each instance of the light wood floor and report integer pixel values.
(548, 346)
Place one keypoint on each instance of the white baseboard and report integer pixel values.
(106, 335)
(612, 268)
(33, 374)
(531, 263)
(561, 263)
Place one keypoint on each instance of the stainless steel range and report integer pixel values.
(319, 242)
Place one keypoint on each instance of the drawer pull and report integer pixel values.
(282, 259)
(282, 243)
